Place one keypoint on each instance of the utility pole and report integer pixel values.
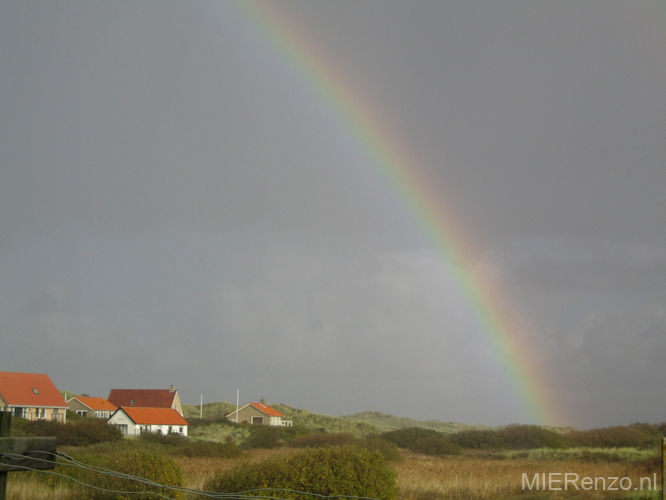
(35, 452)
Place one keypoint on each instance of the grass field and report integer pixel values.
(482, 476)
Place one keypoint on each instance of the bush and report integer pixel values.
(513, 437)
(262, 436)
(148, 465)
(321, 440)
(210, 449)
(634, 435)
(525, 437)
(347, 470)
(172, 439)
(436, 446)
(82, 432)
(478, 440)
(387, 449)
(418, 440)
(293, 432)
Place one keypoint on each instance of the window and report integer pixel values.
(35, 390)
(257, 420)
(83, 413)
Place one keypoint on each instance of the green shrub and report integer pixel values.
(634, 435)
(387, 449)
(148, 465)
(322, 439)
(210, 449)
(436, 446)
(293, 432)
(419, 440)
(84, 432)
(347, 470)
(478, 439)
(526, 437)
(262, 436)
(172, 439)
(513, 437)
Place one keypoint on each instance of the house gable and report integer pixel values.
(91, 407)
(137, 420)
(258, 414)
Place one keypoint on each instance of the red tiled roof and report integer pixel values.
(148, 398)
(96, 403)
(272, 412)
(30, 389)
(154, 416)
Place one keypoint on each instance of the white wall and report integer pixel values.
(121, 419)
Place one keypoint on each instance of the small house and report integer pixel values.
(91, 407)
(259, 414)
(32, 396)
(133, 421)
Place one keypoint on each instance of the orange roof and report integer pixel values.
(149, 398)
(154, 416)
(30, 389)
(272, 412)
(96, 403)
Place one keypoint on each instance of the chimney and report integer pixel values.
(172, 388)
(262, 401)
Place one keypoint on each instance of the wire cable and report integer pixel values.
(68, 461)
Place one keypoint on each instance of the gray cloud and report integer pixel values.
(178, 201)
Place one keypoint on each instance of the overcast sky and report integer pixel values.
(180, 205)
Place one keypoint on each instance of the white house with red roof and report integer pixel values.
(133, 421)
(146, 398)
(32, 396)
(91, 407)
(259, 414)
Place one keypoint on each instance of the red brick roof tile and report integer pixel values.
(148, 398)
(30, 390)
(272, 412)
(154, 416)
(96, 403)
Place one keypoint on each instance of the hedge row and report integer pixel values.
(83, 432)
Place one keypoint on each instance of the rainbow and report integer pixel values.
(503, 326)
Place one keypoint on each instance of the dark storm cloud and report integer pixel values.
(174, 194)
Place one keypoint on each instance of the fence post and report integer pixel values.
(22, 453)
(5, 427)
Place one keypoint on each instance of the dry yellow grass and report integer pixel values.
(422, 477)
(32, 490)
(198, 470)
(469, 477)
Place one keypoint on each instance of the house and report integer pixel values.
(146, 398)
(259, 414)
(91, 407)
(32, 396)
(136, 420)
